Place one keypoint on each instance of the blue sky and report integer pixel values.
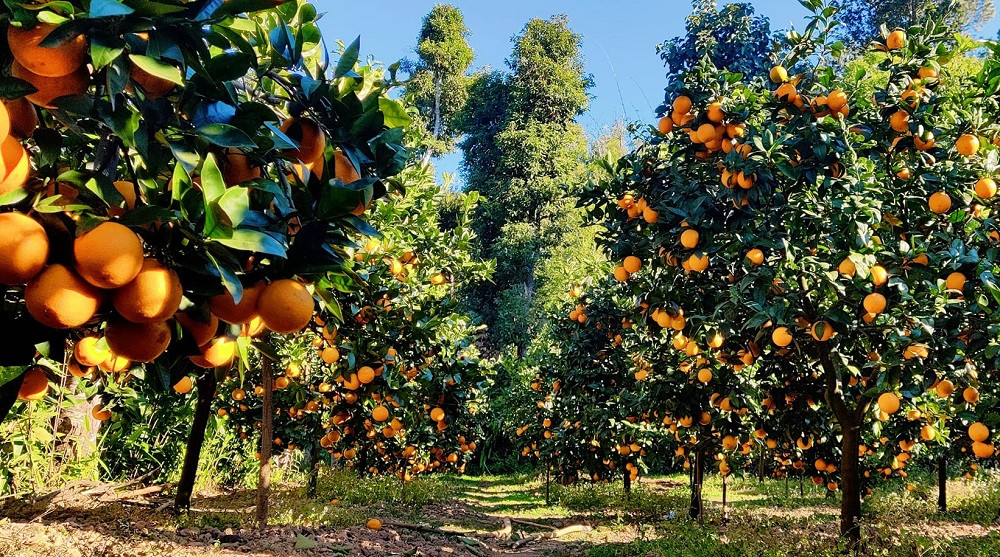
(619, 41)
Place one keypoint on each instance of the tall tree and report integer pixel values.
(733, 37)
(439, 83)
(523, 151)
(863, 18)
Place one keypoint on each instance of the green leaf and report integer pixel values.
(13, 88)
(148, 214)
(212, 183)
(348, 59)
(105, 8)
(253, 240)
(8, 374)
(395, 115)
(157, 68)
(225, 135)
(235, 203)
(102, 55)
(13, 197)
(229, 279)
(302, 542)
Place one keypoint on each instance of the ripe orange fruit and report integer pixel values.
(373, 523)
(51, 88)
(821, 331)
(218, 352)
(755, 256)
(308, 135)
(836, 100)
(229, 311)
(967, 145)
(330, 354)
(971, 395)
(343, 169)
(100, 413)
(704, 375)
(874, 303)
(201, 332)
(780, 336)
(944, 388)
(23, 118)
(77, 370)
(847, 267)
(632, 264)
(715, 112)
(53, 61)
(184, 385)
(253, 328)
(982, 450)
(17, 164)
(89, 353)
(895, 40)
(286, 306)
(366, 375)
(60, 299)
(239, 394)
(380, 413)
(888, 403)
(778, 74)
(24, 248)
(139, 342)
(786, 92)
(900, 121)
(706, 133)
(697, 263)
(682, 104)
(152, 296)
(986, 188)
(621, 274)
(879, 275)
(939, 202)
(35, 385)
(237, 167)
(955, 281)
(116, 364)
(109, 256)
(730, 442)
(665, 125)
(979, 432)
(437, 414)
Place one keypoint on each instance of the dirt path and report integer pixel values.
(82, 526)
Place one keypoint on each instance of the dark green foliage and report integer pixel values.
(863, 18)
(732, 37)
(524, 153)
(438, 87)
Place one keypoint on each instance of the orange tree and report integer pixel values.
(194, 157)
(386, 384)
(798, 229)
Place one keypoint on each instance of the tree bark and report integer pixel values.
(850, 484)
(942, 483)
(313, 473)
(206, 383)
(697, 507)
(627, 484)
(266, 440)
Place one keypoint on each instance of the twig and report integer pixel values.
(551, 535)
(428, 528)
(504, 532)
(523, 522)
(109, 497)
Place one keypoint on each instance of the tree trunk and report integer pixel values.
(760, 468)
(266, 440)
(850, 484)
(627, 484)
(724, 497)
(207, 384)
(313, 473)
(697, 476)
(437, 116)
(548, 465)
(942, 483)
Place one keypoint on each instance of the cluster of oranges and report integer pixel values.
(55, 71)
